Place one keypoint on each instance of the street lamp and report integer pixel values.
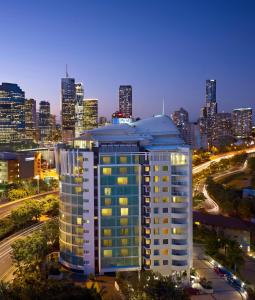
(38, 186)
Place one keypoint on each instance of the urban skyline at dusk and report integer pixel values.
(161, 52)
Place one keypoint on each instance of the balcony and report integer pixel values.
(179, 236)
(179, 204)
(178, 193)
(179, 215)
(179, 247)
(179, 183)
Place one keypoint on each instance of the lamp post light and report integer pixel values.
(38, 184)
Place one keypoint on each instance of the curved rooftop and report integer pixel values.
(154, 131)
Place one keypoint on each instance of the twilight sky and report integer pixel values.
(162, 48)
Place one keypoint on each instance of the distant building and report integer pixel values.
(44, 121)
(181, 120)
(194, 136)
(222, 126)
(30, 119)
(90, 109)
(242, 122)
(79, 114)
(125, 100)
(16, 166)
(12, 113)
(102, 121)
(68, 97)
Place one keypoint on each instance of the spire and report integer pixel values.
(163, 106)
(66, 72)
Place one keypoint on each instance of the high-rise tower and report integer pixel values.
(79, 113)
(90, 110)
(125, 100)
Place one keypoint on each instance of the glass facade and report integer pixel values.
(119, 213)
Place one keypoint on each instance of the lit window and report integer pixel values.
(147, 200)
(165, 168)
(107, 171)
(106, 212)
(123, 221)
(123, 201)
(165, 199)
(165, 220)
(164, 251)
(147, 262)
(147, 169)
(164, 230)
(147, 221)
(123, 159)
(156, 189)
(107, 201)
(124, 252)
(107, 232)
(156, 178)
(165, 178)
(178, 159)
(156, 231)
(107, 191)
(107, 253)
(107, 243)
(155, 199)
(78, 189)
(78, 179)
(124, 242)
(124, 211)
(124, 231)
(156, 168)
(156, 220)
(177, 199)
(147, 251)
(123, 170)
(79, 221)
(165, 189)
(147, 179)
(147, 231)
(147, 241)
(106, 159)
(122, 180)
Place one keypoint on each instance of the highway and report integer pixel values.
(5, 209)
(6, 267)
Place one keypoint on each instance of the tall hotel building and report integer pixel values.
(242, 122)
(126, 199)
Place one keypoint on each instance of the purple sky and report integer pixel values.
(162, 48)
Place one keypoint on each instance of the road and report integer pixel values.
(6, 267)
(5, 209)
(217, 158)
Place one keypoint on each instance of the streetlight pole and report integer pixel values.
(38, 183)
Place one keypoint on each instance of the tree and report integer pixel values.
(50, 231)
(51, 205)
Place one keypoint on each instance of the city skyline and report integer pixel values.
(166, 55)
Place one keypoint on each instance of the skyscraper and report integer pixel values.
(209, 111)
(79, 115)
(30, 119)
(90, 110)
(242, 122)
(125, 100)
(68, 97)
(12, 113)
(44, 121)
(222, 126)
(125, 199)
(181, 120)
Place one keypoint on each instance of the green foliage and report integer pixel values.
(147, 285)
(51, 205)
(15, 194)
(220, 247)
(230, 200)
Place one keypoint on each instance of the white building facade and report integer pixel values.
(126, 199)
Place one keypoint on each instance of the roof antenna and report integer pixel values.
(66, 72)
(163, 106)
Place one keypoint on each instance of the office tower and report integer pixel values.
(208, 112)
(125, 199)
(125, 100)
(79, 115)
(194, 137)
(53, 128)
(242, 122)
(68, 96)
(90, 110)
(44, 121)
(12, 113)
(30, 119)
(181, 120)
(222, 126)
